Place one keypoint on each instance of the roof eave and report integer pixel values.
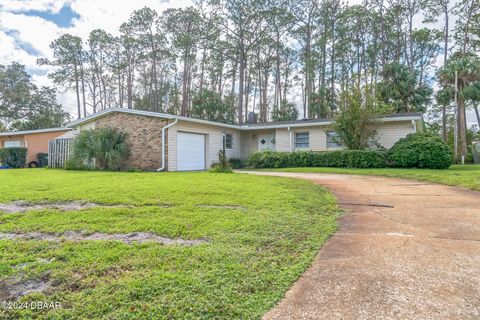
(106, 112)
(25, 132)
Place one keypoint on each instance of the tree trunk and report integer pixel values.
(445, 57)
(184, 107)
(462, 134)
(77, 91)
(82, 79)
(241, 86)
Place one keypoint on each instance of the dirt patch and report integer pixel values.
(136, 237)
(215, 206)
(24, 265)
(23, 206)
(12, 289)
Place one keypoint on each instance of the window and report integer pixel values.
(228, 141)
(332, 140)
(302, 140)
(12, 144)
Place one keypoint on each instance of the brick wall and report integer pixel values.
(144, 138)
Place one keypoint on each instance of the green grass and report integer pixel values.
(253, 257)
(467, 176)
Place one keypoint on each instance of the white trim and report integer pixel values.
(224, 125)
(18, 133)
(147, 114)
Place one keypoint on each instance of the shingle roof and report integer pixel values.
(18, 133)
(253, 126)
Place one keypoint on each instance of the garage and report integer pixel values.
(190, 151)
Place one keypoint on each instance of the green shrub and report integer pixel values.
(13, 157)
(236, 163)
(222, 166)
(107, 148)
(421, 151)
(340, 158)
(217, 168)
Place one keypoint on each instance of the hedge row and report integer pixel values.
(13, 157)
(415, 150)
(339, 158)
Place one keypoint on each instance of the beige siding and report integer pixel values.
(317, 136)
(213, 142)
(391, 132)
(250, 141)
(249, 144)
(282, 137)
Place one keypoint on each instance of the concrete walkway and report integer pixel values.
(404, 250)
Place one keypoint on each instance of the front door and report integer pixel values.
(266, 142)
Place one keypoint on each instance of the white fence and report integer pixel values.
(59, 150)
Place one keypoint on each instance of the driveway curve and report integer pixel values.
(404, 250)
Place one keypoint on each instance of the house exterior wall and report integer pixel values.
(213, 142)
(249, 140)
(286, 140)
(34, 142)
(144, 138)
(390, 132)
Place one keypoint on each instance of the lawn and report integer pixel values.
(262, 233)
(467, 176)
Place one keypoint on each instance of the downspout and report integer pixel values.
(163, 143)
(290, 138)
(414, 126)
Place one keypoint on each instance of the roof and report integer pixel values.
(20, 133)
(108, 111)
(405, 116)
(268, 125)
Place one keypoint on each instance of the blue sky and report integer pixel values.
(63, 18)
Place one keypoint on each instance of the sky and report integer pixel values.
(27, 27)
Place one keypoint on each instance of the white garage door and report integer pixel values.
(190, 151)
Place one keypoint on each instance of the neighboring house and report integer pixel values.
(193, 144)
(36, 141)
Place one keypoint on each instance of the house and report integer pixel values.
(161, 141)
(36, 141)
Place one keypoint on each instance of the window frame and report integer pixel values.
(331, 144)
(16, 146)
(302, 145)
(228, 136)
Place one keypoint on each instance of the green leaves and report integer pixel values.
(399, 89)
(25, 106)
(421, 151)
(209, 105)
(356, 122)
(105, 148)
(13, 157)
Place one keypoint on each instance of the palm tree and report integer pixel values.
(467, 67)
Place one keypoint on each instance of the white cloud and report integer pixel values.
(39, 33)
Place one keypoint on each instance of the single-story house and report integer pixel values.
(161, 141)
(36, 141)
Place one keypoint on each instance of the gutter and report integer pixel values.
(290, 138)
(163, 143)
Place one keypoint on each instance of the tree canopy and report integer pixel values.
(23, 105)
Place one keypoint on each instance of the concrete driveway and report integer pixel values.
(404, 250)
